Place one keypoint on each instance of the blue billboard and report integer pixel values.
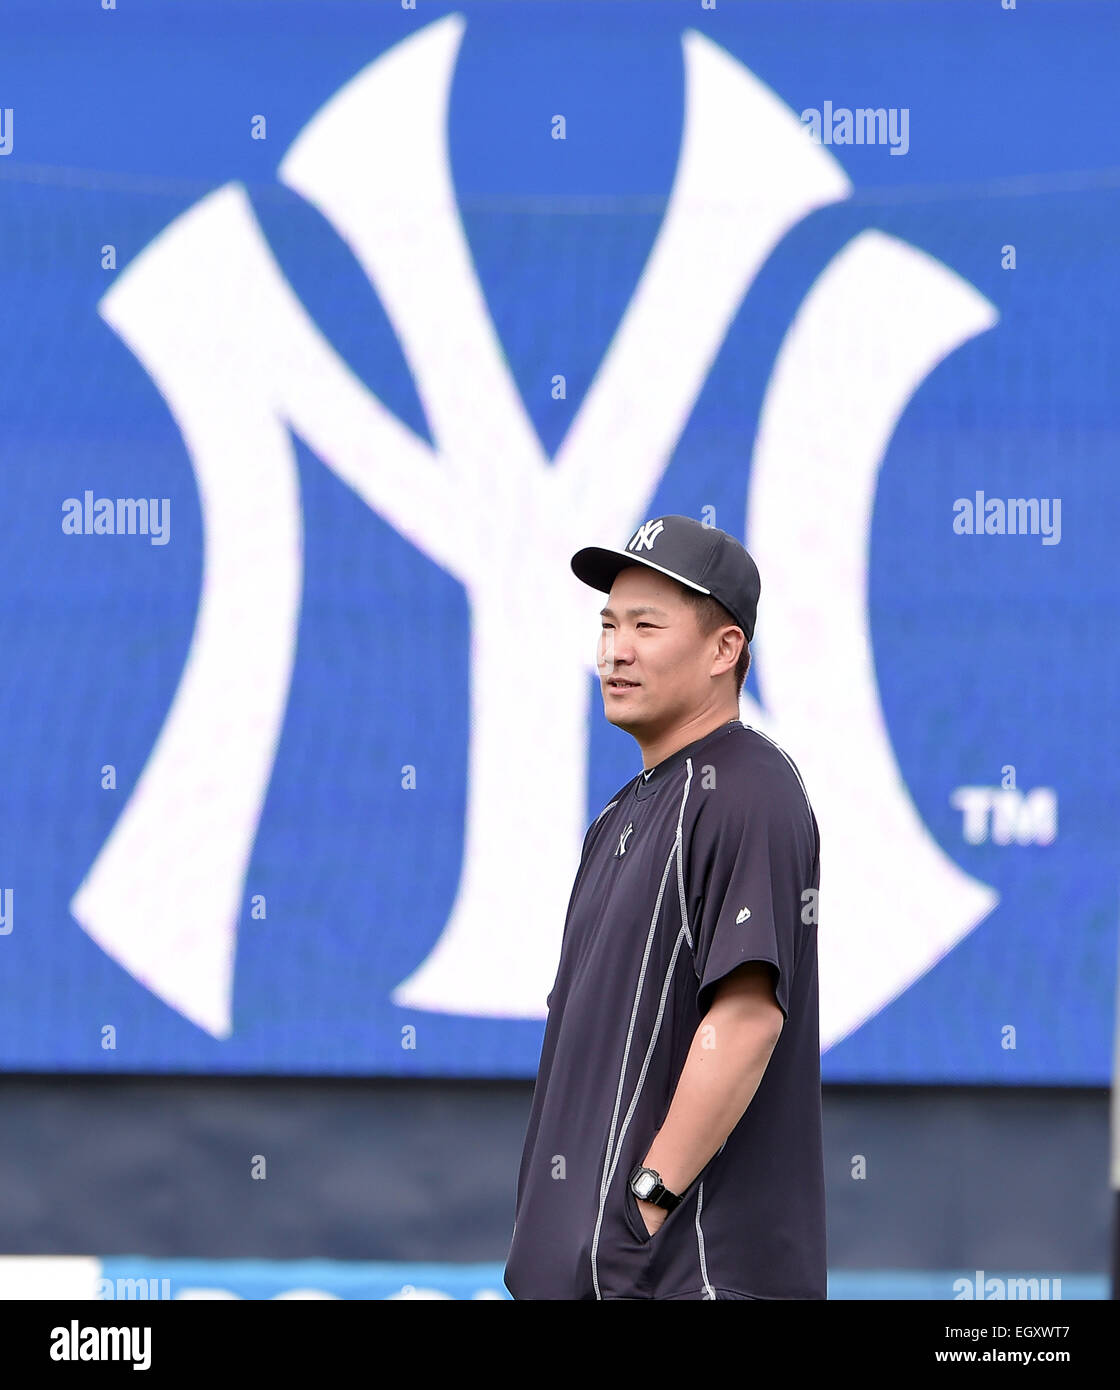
(332, 331)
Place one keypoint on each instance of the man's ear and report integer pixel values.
(727, 645)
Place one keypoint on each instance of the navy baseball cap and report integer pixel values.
(702, 557)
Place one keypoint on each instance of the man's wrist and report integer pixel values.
(669, 1178)
(649, 1185)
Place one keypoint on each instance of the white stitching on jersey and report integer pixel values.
(641, 1082)
(711, 1293)
(649, 1053)
(603, 812)
(605, 1179)
(788, 759)
(700, 1234)
(612, 1149)
(680, 861)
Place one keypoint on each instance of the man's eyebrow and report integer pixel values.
(634, 612)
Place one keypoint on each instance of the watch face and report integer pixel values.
(644, 1184)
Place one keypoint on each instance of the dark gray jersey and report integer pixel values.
(709, 861)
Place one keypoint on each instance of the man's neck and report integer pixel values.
(665, 745)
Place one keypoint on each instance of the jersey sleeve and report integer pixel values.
(753, 855)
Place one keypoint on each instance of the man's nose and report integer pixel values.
(617, 649)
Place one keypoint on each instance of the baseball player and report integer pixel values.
(674, 1144)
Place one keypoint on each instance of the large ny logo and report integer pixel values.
(207, 311)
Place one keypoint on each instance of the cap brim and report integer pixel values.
(599, 568)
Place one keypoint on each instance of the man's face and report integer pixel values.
(650, 642)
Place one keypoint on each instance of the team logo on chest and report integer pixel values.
(622, 839)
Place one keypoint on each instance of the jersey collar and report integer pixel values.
(648, 783)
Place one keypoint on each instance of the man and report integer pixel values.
(674, 1144)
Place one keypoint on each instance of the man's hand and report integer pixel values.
(652, 1215)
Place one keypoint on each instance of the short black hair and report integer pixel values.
(710, 614)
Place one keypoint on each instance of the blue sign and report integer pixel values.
(329, 341)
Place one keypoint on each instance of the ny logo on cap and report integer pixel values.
(646, 534)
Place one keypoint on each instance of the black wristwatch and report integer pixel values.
(646, 1183)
